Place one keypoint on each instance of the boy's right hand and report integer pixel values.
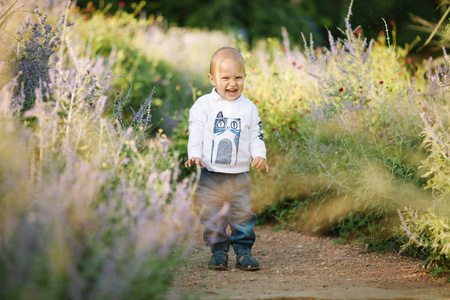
(194, 161)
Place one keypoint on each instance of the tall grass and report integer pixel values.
(360, 133)
(427, 234)
(344, 119)
(89, 207)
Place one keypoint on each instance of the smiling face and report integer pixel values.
(228, 75)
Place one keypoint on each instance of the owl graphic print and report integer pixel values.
(225, 134)
(225, 145)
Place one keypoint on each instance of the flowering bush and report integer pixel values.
(91, 208)
(150, 57)
(343, 117)
(348, 122)
(39, 42)
(427, 234)
(436, 120)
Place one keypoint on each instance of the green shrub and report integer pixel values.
(427, 235)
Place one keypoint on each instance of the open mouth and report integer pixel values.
(231, 91)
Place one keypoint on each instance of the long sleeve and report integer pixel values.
(197, 121)
(257, 145)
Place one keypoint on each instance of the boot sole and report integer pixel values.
(241, 267)
(217, 268)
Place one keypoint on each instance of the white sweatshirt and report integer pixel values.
(225, 134)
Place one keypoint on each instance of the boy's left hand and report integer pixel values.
(260, 163)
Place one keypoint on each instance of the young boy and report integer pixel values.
(224, 134)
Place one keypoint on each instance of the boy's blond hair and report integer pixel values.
(224, 53)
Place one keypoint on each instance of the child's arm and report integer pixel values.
(197, 120)
(260, 163)
(257, 145)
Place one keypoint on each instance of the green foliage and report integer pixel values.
(255, 21)
(250, 19)
(122, 38)
(437, 142)
(145, 53)
(427, 235)
(286, 210)
(358, 133)
(364, 228)
(349, 226)
(181, 137)
(439, 271)
(156, 271)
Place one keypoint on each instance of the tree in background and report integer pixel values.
(250, 19)
(255, 19)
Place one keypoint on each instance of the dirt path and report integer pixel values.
(297, 266)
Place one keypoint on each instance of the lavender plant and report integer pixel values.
(427, 235)
(38, 42)
(140, 120)
(426, 232)
(437, 164)
(87, 211)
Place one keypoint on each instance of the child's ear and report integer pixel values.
(211, 79)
